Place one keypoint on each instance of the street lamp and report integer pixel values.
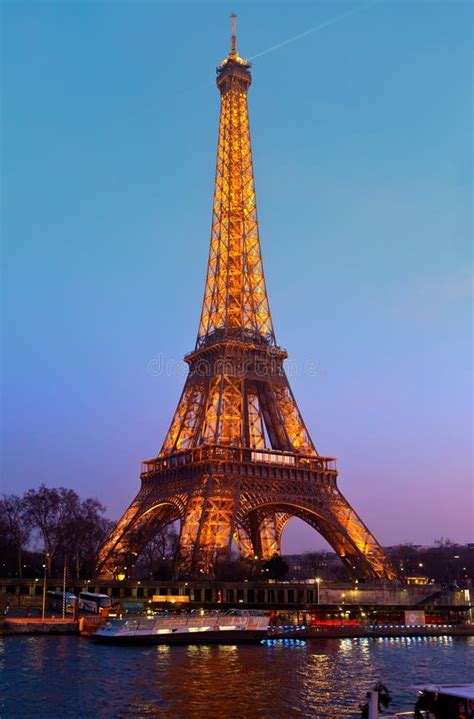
(318, 582)
(45, 567)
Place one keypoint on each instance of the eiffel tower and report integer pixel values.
(238, 461)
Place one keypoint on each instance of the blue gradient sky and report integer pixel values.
(362, 150)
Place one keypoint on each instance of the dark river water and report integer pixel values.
(73, 677)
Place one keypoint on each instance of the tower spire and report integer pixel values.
(233, 45)
(235, 300)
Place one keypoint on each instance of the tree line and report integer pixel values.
(51, 526)
(55, 527)
(445, 562)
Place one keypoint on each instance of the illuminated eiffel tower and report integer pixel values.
(238, 461)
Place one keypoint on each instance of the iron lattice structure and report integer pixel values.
(238, 461)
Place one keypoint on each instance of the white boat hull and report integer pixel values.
(185, 629)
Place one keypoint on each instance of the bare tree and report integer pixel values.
(50, 510)
(85, 531)
(16, 524)
(158, 554)
(405, 558)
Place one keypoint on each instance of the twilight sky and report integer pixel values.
(362, 149)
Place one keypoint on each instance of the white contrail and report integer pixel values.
(331, 21)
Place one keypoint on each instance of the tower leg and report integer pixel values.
(244, 542)
(134, 530)
(268, 538)
(207, 527)
(270, 531)
(265, 532)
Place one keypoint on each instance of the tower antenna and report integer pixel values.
(233, 46)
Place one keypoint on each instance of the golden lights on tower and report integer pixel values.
(237, 461)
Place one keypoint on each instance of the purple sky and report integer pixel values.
(362, 149)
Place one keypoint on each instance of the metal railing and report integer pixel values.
(223, 453)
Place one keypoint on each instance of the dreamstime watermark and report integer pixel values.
(257, 367)
(163, 366)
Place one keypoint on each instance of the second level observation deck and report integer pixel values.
(211, 453)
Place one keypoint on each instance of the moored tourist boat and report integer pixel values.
(234, 626)
(447, 701)
(435, 701)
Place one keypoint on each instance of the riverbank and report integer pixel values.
(38, 626)
(87, 625)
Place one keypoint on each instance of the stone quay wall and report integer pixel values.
(280, 595)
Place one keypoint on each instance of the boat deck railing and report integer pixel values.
(186, 621)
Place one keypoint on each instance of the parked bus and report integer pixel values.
(56, 598)
(91, 602)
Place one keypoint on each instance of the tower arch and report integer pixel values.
(356, 551)
(134, 531)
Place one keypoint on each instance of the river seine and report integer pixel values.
(73, 677)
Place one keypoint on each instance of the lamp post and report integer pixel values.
(318, 582)
(45, 567)
(64, 588)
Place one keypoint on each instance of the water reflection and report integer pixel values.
(69, 677)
